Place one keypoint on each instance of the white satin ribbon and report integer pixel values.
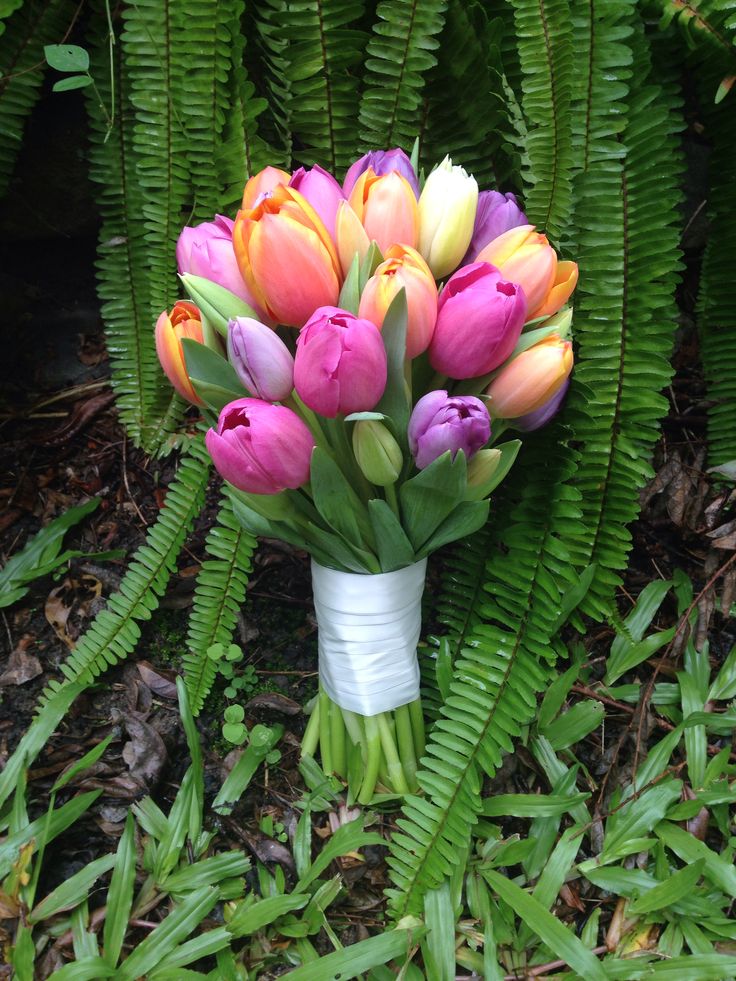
(369, 627)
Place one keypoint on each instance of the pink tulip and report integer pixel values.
(183, 321)
(207, 250)
(261, 359)
(479, 321)
(340, 365)
(322, 191)
(387, 208)
(403, 267)
(261, 448)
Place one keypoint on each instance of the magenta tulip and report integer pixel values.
(261, 359)
(340, 364)
(479, 321)
(261, 448)
(207, 250)
(496, 214)
(322, 191)
(382, 162)
(441, 422)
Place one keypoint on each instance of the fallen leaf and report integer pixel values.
(22, 667)
(145, 754)
(75, 598)
(275, 701)
(157, 681)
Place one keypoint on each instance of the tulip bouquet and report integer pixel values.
(359, 350)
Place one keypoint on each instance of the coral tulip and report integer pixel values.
(524, 256)
(441, 422)
(496, 214)
(261, 359)
(382, 162)
(287, 256)
(386, 207)
(350, 236)
(541, 416)
(322, 191)
(531, 379)
(262, 183)
(403, 267)
(340, 365)
(447, 207)
(479, 321)
(261, 448)
(183, 321)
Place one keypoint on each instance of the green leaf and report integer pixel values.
(467, 518)
(530, 805)
(360, 957)
(715, 868)
(336, 501)
(394, 401)
(348, 838)
(88, 760)
(669, 892)
(633, 654)
(575, 724)
(66, 57)
(213, 377)
(88, 969)
(73, 82)
(217, 304)
(120, 895)
(561, 941)
(439, 940)
(429, 497)
(393, 547)
(249, 918)
(350, 292)
(72, 891)
(262, 741)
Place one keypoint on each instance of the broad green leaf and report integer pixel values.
(530, 805)
(262, 741)
(724, 685)
(574, 596)
(249, 918)
(66, 57)
(213, 377)
(556, 694)
(337, 502)
(669, 892)
(88, 969)
(696, 740)
(217, 304)
(358, 958)
(688, 848)
(71, 83)
(438, 944)
(633, 654)
(394, 548)
(574, 725)
(72, 891)
(467, 518)
(429, 497)
(561, 941)
(120, 895)
(638, 816)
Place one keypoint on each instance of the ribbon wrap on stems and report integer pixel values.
(369, 627)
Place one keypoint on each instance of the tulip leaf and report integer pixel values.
(394, 548)
(214, 379)
(216, 303)
(466, 518)
(394, 402)
(428, 498)
(371, 262)
(365, 416)
(337, 502)
(350, 292)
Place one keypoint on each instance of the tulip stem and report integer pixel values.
(325, 742)
(372, 759)
(393, 763)
(338, 740)
(498, 428)
(310, 739)
(405, 739)
(417, 726)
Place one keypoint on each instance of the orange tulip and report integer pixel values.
(403, 267)
(524, 256)
(261, 183)
(183, 321)
(530, 379)
(387, 208)
(287, 257)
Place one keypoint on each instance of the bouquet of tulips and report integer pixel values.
(359, 349)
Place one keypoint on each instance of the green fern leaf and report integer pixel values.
(400, 54)
(219, 595)
(22, 65)
(268, 64)
(114, 632)
(544, 34)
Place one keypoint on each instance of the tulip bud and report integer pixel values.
(261, 360)
(262, 183)
(261, 448)
(479, 320)
(286, 256)
(403, 267)
(447, 207)
(322, 191)
(340, 365)
(541, 416)
(531, 379)
(481, 470)
(382, 162)
(441, 422)
(377, 452)
(387, 208)
(350, 236)
(183, 321)
(526, 257)
(496, 214)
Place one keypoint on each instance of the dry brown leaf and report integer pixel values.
(160, 683)
(73, 599)
(145, 754)
(21, 667)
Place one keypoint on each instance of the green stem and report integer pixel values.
(372, 757)
(310, 739)
(337, 740)
(325, 742)
(417, 726)
(405, 739)
(354, 726)
(393, 763)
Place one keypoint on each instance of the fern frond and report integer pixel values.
(268, 65)
(114, 632)
(546, 54)
(22, 64)
(502, 666)
(626, 222)
(708, 24)
(219, 594)
(400, 54)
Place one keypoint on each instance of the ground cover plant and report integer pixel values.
(574, 808)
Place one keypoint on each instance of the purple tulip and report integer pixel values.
(340, 364)
(261, 359)
(207, 250)
(496, 214)
(260, 448)
(441, 422)
(383, 162)
(479, 320)
(541, 416)
(322, 191)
